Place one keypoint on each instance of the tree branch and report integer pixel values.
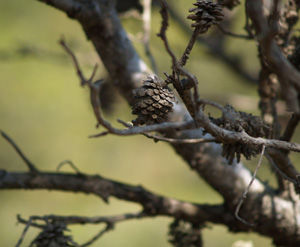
(287, 74)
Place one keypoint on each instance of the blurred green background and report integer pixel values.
(48, 114)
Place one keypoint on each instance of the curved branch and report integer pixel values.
(262, 208)
(104, 188)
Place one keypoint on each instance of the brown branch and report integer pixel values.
(189, 47)
(291, 127)
(177, 68)
(83, 80)
(82, 220)
(157, 138)
(232, 137)
(288, 75)
(152, 204)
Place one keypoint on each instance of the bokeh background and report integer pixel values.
(48, 114)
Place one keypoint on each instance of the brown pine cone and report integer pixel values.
(53, 235)
(153, 102)
(240, 121)
(205, 14)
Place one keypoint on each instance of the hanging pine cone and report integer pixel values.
(153, 102)
(184, 234)
(53, 235)
(241, 121)
(205, 14)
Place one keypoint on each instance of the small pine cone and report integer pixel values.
(184, 234)
(241, 121)
(205, 14)
(53, 235)
(153, 102)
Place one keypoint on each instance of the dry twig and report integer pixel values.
(244, 196)
(28, 163)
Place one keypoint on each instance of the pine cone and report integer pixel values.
(153, 102)
(205, 14)
(53, 235)
(184, 234)
(241, 121)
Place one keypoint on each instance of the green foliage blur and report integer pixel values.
(43, 108)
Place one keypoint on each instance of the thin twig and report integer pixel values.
(70, 163)
(211, 103)
(244, 196)
(28, 224)
(83, 80)
(179, 141)
(71, 220)
(189, 47)
(171, 140)
(147, 32)
(28, 163)
(32, 219)
(98, 235)
(163, 29)
(177, 69)
(291, 127)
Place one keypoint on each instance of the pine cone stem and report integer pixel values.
(189, 47)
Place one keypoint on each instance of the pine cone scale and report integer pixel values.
(153, 102)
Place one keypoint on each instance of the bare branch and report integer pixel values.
(231, 136)
(171, 140)
(98, 235)
(28, 163)
(291, 127)
(189, 102)
(26, 228)
(152, 204)
(82, 220)
(83, 80)
(189, 47)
